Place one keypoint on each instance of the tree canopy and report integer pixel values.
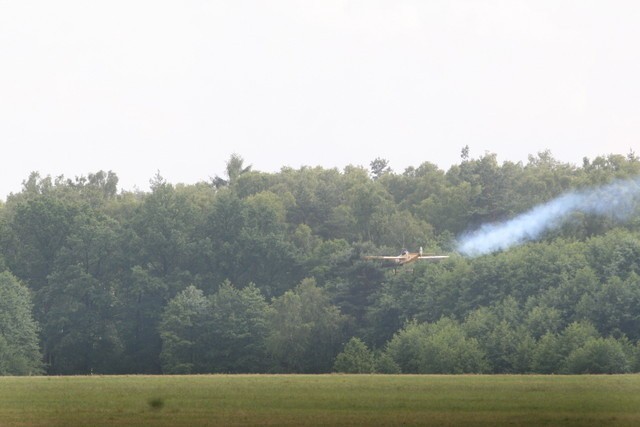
(264, 272)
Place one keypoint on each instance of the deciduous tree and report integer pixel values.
(355, 358)
(19, 351)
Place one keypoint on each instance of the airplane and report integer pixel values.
(407, 257)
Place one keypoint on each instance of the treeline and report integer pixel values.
(263, 272)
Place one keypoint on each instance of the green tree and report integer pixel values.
(370, 204)
(385, 364)
(160, 245)
(38, 228)
(355, 358)
(305, 330)
(567, 294)
(79, 315)
(552, 350)
(575, 336)
(81, 335)
(547, 357)
(502, 335)
(502, 348)
(225, 221)
(310, 196)
(234, 168)
(236, 330)
(142, 300)
(246, 241)
(96, 188)
(599, 356)
(182, 329)
(341, 224)
(635, 367)
(541, 319)
(268, 254)
(164, 224)
(613, 307)
(438, 348)
(379, 167)
(19, 352)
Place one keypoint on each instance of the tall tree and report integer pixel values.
(81, 335)
(236, 330)
(79, 301)
(182, 328)
(234, 168)
(305, 330)
(39, 227)
(19, 352)
(379, 167)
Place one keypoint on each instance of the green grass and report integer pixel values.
(320, 400)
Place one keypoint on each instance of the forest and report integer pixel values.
(257, 272)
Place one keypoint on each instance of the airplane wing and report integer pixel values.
(384, 257)
(433, 257)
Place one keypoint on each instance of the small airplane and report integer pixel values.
(407, 257)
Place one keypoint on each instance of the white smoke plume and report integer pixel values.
(617, 200)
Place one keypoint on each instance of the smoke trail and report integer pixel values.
(617, 200)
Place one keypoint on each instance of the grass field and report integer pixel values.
(320, 400)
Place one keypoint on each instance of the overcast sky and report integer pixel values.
(178, 86)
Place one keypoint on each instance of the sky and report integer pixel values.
(176, 87)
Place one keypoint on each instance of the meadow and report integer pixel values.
(320, 400)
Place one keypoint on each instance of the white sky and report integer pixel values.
(177, 86)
